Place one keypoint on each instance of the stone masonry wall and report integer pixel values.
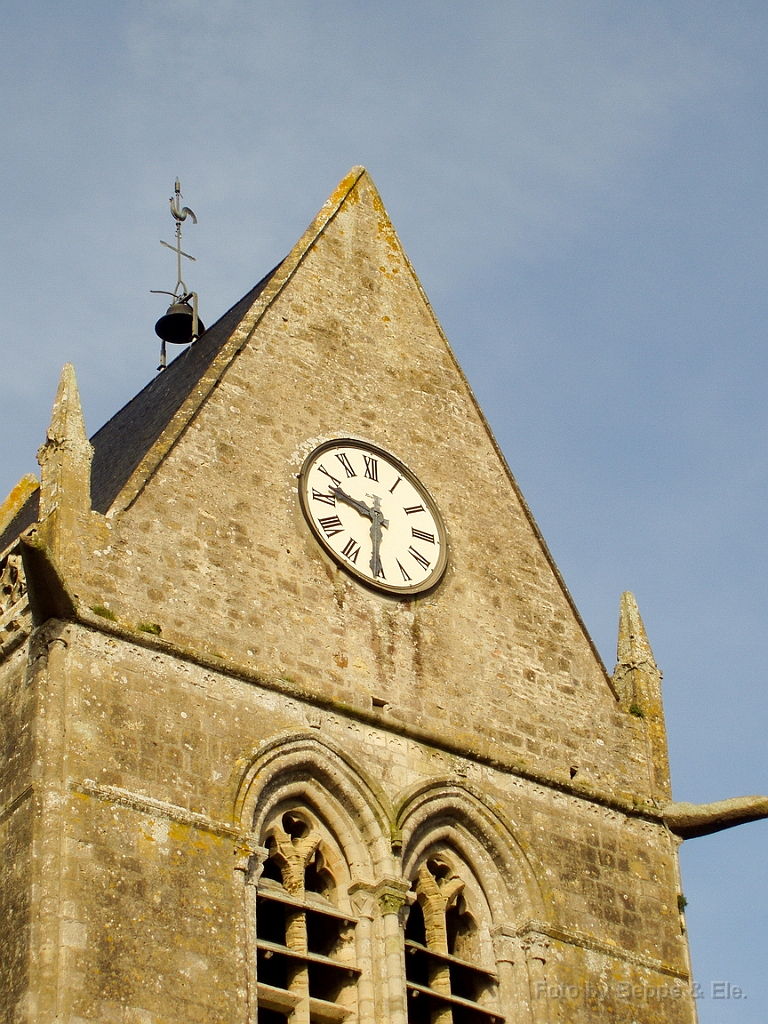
(16, 832)
(156, 749)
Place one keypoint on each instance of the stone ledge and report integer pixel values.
(622, 803)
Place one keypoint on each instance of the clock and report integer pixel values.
(373, 516)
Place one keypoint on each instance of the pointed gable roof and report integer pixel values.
(128, 438)
(122, 443)
(124, 440)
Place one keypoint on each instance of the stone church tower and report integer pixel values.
(299, 721)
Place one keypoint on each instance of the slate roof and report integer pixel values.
(121, 444)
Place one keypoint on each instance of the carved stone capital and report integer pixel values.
(392, 894)
(535, 946)
(506, 945)
(250, 859)
(362, 896)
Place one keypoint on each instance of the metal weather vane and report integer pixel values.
(181, 324)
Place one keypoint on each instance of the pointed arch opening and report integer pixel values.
(318, 830)
(471, 885)
(451, 975)
(305, 929)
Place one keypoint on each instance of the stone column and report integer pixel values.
(514, 997)
(391, 895)
(292, 854)
(363, 899)
(535, 947)
(249, 861)
(435, 896)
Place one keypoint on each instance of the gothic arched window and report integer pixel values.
(306, 969)
(450, 969)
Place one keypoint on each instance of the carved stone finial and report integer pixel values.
(633, 642)
(65, 458)
(13, 585)
(13, 604)
(638, 684)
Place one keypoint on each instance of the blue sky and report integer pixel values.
(582, 188)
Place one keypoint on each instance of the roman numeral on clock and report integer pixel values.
(421, 535)
(406, 577)
(414, 509)
(371, 467)
(342, 457)
(334, 479)
(423, 562)
(351, 550)
(326, 499)
(332, 525)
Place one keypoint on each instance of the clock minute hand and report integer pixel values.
(377, 521)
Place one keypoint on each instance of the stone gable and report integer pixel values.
(348, 347)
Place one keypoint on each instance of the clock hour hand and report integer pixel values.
(359, 506)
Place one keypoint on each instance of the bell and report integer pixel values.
(176, 326)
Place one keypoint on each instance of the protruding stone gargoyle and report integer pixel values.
(691, 820)
(638, 684)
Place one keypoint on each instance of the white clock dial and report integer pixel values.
(373, 516)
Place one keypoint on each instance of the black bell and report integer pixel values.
(176, 326)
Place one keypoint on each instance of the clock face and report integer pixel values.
(373, 517)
